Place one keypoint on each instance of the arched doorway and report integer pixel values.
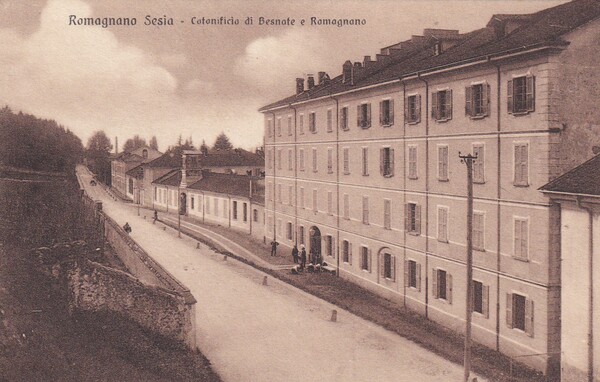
(314, 235)
(183, 204)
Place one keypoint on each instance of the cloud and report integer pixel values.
(268, 60)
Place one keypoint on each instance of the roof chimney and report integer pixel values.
(323, 77)
(299, 85)
(347, 73)
(310, 82)
(366, 61)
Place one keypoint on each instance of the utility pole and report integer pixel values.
(468, 160)
(179, 217)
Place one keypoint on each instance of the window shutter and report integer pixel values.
(406, 111)
(381, 160)
(406, 217)
(509, 314)
(434, 106)
(391, 162)
(449, 288)
(530, 93)
(419, 277)
(350, 253)
(486, 100)
(406, 274)
(449, 104)
(524, 164)
(524, 239)
(509, 99)
(393, 267)
(529, 317)
(370, 260)
(418, 108)
(434, 288)
(517, 164)
(418, 219)
(391, 113)
(381, 119)
(485, 300)
(469, 101)
(381, 260)
(368, 124)
(358, 116)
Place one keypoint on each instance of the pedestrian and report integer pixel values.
(127, 227)
(295, 254)
(155, 217)
(302, 256)
(274, 245)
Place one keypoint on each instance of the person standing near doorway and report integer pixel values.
(295, 254)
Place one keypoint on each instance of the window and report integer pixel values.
(412, 218)
(346, 206)
(344, 118)
(290, 160)
(245, 212)
(388, 266)
(441, 105)
(279, 159)
(312, 122)
(521, 95)
(412, 162)
(301, 127)
(387, 162)
(442, 285)
(329, 160)
(519, 313)
(301, 159)
(225, 208)
(478, 230)
(235, 210)
(290, 195)
(365, 259)
(288, 231)
(216, 207)
(521, 164)
(477, 100)
(365, 161)
(347, 252)
(387, 214)
(412, 274)
(301, 197)
(315, 200)
(412, 109)
(192, 203)
(521, 239)
(130, 186)
(346, 154)
(443, 163)
(386, 112)
(365, 209)
(481, 298)
(255, 215)
(145, 154)
(329, 120)
(314, 159)
(270, 128)
(443, 224)
(279, 127)
(363, 115)
(329, 245)
(289, 125)
(437, 49)
(478, 164)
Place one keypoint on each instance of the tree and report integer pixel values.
(222, 143)
(153, 143)
(134, 143)
(204, 147)
(98, 154)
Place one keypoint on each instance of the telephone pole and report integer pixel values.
(468, 160)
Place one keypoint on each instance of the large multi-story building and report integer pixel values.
(125, 161)
(364, 168)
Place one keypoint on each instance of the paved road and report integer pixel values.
(252, 332)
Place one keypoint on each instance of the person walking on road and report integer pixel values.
(155, 217)
(295, 254)
(274, 245)
(127, 227)
(302, 256)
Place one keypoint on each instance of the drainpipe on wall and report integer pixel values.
(337, 183)
(274, 194)
(426, 194)
(498, 207)
(591, 291)
(295, 175)
(404, 186)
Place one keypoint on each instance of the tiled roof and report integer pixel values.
(172, 178)
(136, 172)
(128, 157)
(583, 179)
(230, 158)
(230, 184)
(543, 28)
(170, 159)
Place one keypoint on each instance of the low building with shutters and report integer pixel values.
(516, 94)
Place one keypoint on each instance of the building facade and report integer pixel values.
(125, 161)
(364, 168)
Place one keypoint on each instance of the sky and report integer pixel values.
(197, 80)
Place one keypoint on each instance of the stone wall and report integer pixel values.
(94, 287)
